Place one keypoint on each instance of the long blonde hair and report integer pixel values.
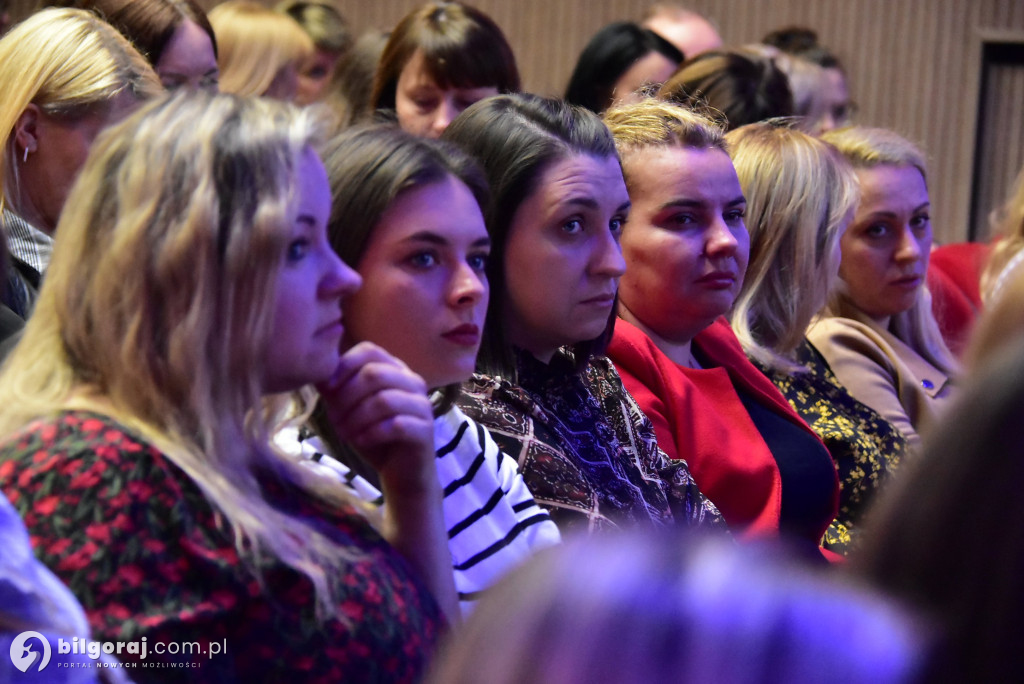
(254, 43)
(800, 192)
(68, 63)
(159, 301)
(866, 148)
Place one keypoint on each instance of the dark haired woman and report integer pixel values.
(618, 64)
(440, 59)
(546, 392)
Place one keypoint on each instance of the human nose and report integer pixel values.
(340, 280)
(468, 288)
(607, 259)
(720, 240)
(909, 249)
(446, 111)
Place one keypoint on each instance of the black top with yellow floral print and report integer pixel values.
(864, 446)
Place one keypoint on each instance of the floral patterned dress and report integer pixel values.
(586, 450)
(866, 448)
(149, 558)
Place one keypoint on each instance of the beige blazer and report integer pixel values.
(882, 372)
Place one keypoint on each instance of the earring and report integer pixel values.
(25, 158)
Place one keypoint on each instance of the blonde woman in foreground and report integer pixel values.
(193, 288)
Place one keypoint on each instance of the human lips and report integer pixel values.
(908, 282)
(465, 335)
(718, 280)
(604, 299)
(335, 327)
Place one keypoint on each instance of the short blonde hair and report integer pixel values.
(800, 192)
(656, 123)
(867, 148)
(254, 44)
(160, 300)
(68, 63)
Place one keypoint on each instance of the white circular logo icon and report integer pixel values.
(24, 657)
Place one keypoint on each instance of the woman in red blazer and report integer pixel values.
(686, 249)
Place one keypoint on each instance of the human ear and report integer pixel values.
(26, 130)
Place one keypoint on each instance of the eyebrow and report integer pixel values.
(440, 240)
(893, 214)
(697, 204)
(306, 219)
(592, 203)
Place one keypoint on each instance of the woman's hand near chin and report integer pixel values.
(380, 407)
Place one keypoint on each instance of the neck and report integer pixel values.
(677, 348)
(27, 211)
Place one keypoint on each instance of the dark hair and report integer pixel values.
(462, 47)
(369, 168)
(743, 88)
(516, 138)
(322, 22)
(946, 538)
(608, 55)
(802, 42)
(148, 24)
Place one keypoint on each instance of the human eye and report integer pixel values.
(876, 230)
(423, 260)
(735, 215)
(478, 262)
(298, 249)
(171, 83)
(682, 219)
(616, 224)
(920, 221)
(573, 226)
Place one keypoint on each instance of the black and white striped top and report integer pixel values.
(493, 522)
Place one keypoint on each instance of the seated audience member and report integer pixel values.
(878, 334)
(946, 538)
(619, 63)
(740, 87)
(690, 32)
(65, 75)
(686, 247)
(801, 194)
(807, 84)
(331, 37)
(407, 216)
(662, 610)
(803, 43)
(441, 58)
(964, 275)
(260, 51)
(348, 93)
(175, 36)
(545, 390)
(176, 321)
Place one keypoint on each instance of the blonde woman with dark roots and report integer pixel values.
(192, 292)
(878, 334)
(800, 197)
(686, 249)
